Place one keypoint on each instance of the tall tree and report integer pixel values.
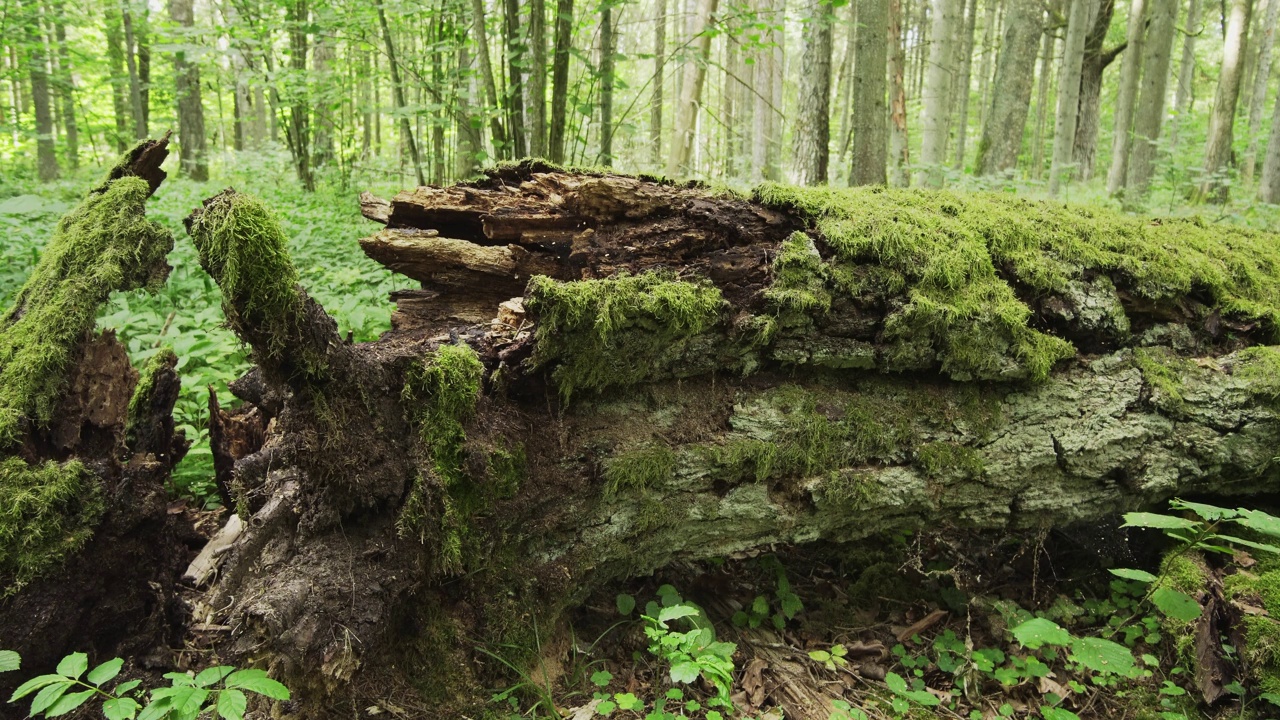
(899, 147)
(608, 51)
(298, 133)
(691, 89)
(1257, 100)
(1096, 60)
(113, 28)
(870, 126)
(41, 103)
(1064, 122)
(1186, 70)
(1218, 145)
(323, 56)
(766, 125)
(65, 84)
(1042, 90)
(538, 78)
(559, 78)
(990, 26)
(397, 89)
(1149, 109)
(936, 93)
(1130, 72)
(498, 133)
(194, 160)
(813, 120)
(964, 81)
(1269, 185)
(659, 79)
(516, 129)
(1010, 104)
(133, 59)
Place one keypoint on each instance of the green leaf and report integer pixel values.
(676, 612)
(258, 682)
(601, 678)
(895, 683)
(1260, 522)
(73, 665)
(684, 672)
(211, 676)
(626, 604)
(48, 695)
(127, 686)
(1132, 574)
(232, 705)
(1050, 713)
(104, 672)
(67, 703)
(33, 685)
(120, 708)
(1248, 543)
(1177, 605)
(158, 708)
(1157, 521)
(606, 707)
(9, 661)
(1208, 512)
(628, 701)
(1103, 656)
(1038, 632)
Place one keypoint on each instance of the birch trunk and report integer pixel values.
(691, 90)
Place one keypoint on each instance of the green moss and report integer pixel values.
(798, 277)
(47, 512)
(143, 395)
(1184, 572)
(1261, 366)
(1259, 587)
(938, 460)
(849, 489)
(641, 467)
(741, 458)
(440, 397)
(1163, 371)
(959, 255)
(507, 468)
(617, 331)
(244, 250)
(105, 244)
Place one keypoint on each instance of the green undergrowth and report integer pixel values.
(956, 255)
(47, 512)
(104, 245)
(440, 397)
(617, 331)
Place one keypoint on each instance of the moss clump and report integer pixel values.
(849, 489)
(47, 512)
(938, 460)
(440, 397)
(618, 331)
(243, 249)
(105, 244)
(741, 458)
(1261, 366)
(143, 395)
(1163, 371)
(798, 277)
(641, 467)
(507, 468)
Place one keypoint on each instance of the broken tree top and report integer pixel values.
(978, 286)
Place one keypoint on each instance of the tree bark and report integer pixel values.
(1068, 113)
(964, 83)
(899, 147)
(1096, 61)
(936, 94)
(1042, 92)
(811, 151)
(538, 78)
(1130, 72)
(1002, 135)
(1186, 71)
(870, 119)
(1222, 121)
(191, 138)
(66, 87)
(766, 123)
(1258, 99)
(113, 28)
(133, 59)
(608, 50)
(502, 148)
(990, 37)
(691, 90)
(515, 105)
(41, 100)
(1269, 184)
(659, 81)
(1149, 115)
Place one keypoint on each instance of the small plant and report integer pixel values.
(216, 691)
(691, 653)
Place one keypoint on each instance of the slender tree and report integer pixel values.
(1042, 90)
(1258, 98)
(194, 160)
(65, 84)
(497, 132)
(1130, 72)
(964, 81)
(41, 102)
(899, 147)
(406, 128)
(1096, 60)
(113, 27)
(936, 94)
(1269, 186)
(559, 78)
(990, 26)
(659, 79)
(133, 59)
(538, 78)
(870, 126)
(1007, 116)
(1186, 70)
(1064, 123)
(1218, 145)
(1149, 112)
(608, 50)
(691, 89)
(515, 78)
(813, 130)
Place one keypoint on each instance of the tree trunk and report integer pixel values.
(870, 126)
(766, 125)
(502, 148)
(1067, 116)
(844, 85)
(66, 87)
(113, 28)
(538, 78)
(398, 91)
(1149, 114)
(516, 129)
(1010, 104)
(1186, 70)
(1130, 72)
(1096, 61)
(1218, 146)
(936, 94)
(1257, 101)
(137, 103)
(964, 83)
(1042, 93)
(327, 90)
(899, 146)
(691, 89)
(812, 138)
(298, 134)
(608, 49)
(41, 100)
(659, 80)
(990, 30)
(191, 139)
(1269, 185)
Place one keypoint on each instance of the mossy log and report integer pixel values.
(688, 374)
(89, 554)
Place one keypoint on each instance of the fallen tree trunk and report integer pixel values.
(686, 375)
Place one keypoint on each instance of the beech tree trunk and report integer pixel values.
(1130, 72)
(1002, 133)
(813, 122)
(41, 99)
(899, 147)
(690, 99)
(191, 139)
(1186, 70)
(1221, 122)
(1258, 98)
(1269, 184)
(1062, 168)
(659, 81)
(936, 94)
(1096, 61)
(870, 118)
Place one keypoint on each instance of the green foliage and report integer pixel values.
(617, 331)
(213, 692)
(440, 396)
(105, 244)
(47, 512)
(798, 277)
(693, 653)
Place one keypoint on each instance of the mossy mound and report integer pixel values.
(47, 512)
(103, 245)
